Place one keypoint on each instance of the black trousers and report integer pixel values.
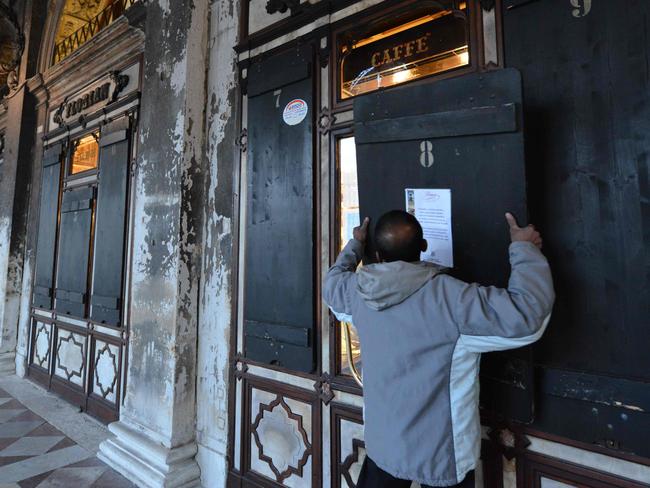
(372, 476)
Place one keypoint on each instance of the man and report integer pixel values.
(422, 333)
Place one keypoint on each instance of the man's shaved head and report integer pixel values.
(398, 237)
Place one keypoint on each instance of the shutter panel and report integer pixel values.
(110, 218)
(472, 128)
(50, 183)
(279, 277)
(74, 246)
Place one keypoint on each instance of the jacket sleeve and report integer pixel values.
(495, 319)
(341, 279)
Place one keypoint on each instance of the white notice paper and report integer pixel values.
(432, 208)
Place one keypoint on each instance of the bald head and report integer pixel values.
(398, 237)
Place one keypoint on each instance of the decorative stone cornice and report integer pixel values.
(103, 53)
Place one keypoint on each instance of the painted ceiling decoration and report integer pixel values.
(12, 44)
(76, 14)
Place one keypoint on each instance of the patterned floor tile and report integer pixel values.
(12, 403)
(34, 466)
(69, 477)
(31, 446)
(111, 479)
(27, 415)
(33, 454)
(65, 442)
(18, 429)
(12, 459)
(10, 413)
(35, 481)
(45, 429)
(7, 441)
(92, 461)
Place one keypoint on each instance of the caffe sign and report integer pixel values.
(419, 50)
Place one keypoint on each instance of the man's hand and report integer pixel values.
(360, 233)
(525, 234)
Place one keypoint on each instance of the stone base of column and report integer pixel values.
(7, 363)
(147, 463)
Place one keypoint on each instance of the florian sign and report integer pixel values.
(94, 97)
(75, 108)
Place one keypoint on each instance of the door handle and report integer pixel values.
(348, 350)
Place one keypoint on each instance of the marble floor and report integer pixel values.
(34, 453)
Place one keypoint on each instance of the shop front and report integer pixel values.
(86, 101)
(347, 104)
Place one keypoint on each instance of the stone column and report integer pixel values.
(15, 176)
(155, 436)
(215, 316)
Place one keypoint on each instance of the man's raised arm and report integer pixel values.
(494, 319)
(339, 281)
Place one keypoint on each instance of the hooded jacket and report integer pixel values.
(422, 333)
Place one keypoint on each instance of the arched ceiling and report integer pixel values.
(75, 14)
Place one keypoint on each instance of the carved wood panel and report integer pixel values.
(42, 342)
(106, 370)
(70, 356)
(281, 439)
(348, 448)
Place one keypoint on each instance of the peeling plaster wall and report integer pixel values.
(22, 346)
(15, 182)
(15, 177)
(217, 267)
(160, 396)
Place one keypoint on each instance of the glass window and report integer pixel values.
(427, 42)
(85, 154)
(349, 219)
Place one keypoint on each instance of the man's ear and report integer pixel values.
(377, 257)
(424, 245)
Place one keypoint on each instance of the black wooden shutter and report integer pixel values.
(587, 99)
(465, 134)
(279, 277)
(50, 183)
(108, 265)
(74, 246)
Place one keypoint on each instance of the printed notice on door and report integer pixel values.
(432, 208)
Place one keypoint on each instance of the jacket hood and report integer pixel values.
(384, 285)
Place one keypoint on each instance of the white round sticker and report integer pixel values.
(295, 112)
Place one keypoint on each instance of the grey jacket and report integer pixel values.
(422, 334)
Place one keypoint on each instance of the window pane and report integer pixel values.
(431, 42)
(84, 157)
(349, 219)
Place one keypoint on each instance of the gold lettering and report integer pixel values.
(397, 50)
(400, 51)
(422, 45)
(410, 46)
(386, 58)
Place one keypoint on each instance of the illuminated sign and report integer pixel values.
(430, 44)
(401, 52)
